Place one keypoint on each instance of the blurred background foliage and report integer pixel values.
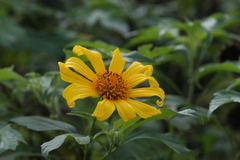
(194, 46)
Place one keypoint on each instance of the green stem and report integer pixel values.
(105, 156)
(190, 77)
(102, 144)
(170, 128)
(231, 142)
(190, 89)
(112, 146)
(90, 134)
(52, 104)
(108, 153)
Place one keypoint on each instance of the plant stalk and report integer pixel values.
(90, 134)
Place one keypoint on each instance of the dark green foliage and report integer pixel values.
(193, 45)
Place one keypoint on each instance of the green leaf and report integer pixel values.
(125, 125)
(167, 139)
(223, 97)
(145, 49)
(106, 49)
(58, 141)
(47, 79)
(225, 21)
(81, 114)
(144, 36)
(44, 81)
(96, 45)
(105, 19)
(168, 33)
(189, 27)
(209, 23)
(234, 84)
(11, 32)
(42, 86)
(117, 124)
(170, 58)
(101, 124)
(233, 36)
(99, 133)
(210, 68)
(38, 123)
(174, 101)
(100, 46)
(156, 51)
(166, 114)
(190, 112)
(9, 137)
(104, 4)
(16, 154)
(136, 122)
(129, 123)
(136, 56)
(170, 54)
(9, 74)
(69, 53)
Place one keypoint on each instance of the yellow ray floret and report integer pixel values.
(114, 85)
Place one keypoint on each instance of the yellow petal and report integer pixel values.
(149, 70)
(137, 79)
(137, 67)
(142, 109)
(148, 92)
(153, 82)
(104, 110)
(72, 77)
(125, 110)
(117, 64)
(94, 57)
(80, 67)
(76, 91)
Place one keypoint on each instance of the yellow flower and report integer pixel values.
(113, 85)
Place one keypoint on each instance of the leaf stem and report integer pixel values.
(55, 108)
(90, 134)
(108, 153)
(224, 130)
(190, 75)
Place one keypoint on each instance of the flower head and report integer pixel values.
(115, 86)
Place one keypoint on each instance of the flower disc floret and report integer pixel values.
(111, 86)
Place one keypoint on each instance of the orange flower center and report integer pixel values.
(111, 86)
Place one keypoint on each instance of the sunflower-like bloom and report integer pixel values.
(115, 86)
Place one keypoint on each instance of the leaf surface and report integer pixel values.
(38, 123)
(168, 139)
(9, 137)
(223, 97)
(58, 141)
